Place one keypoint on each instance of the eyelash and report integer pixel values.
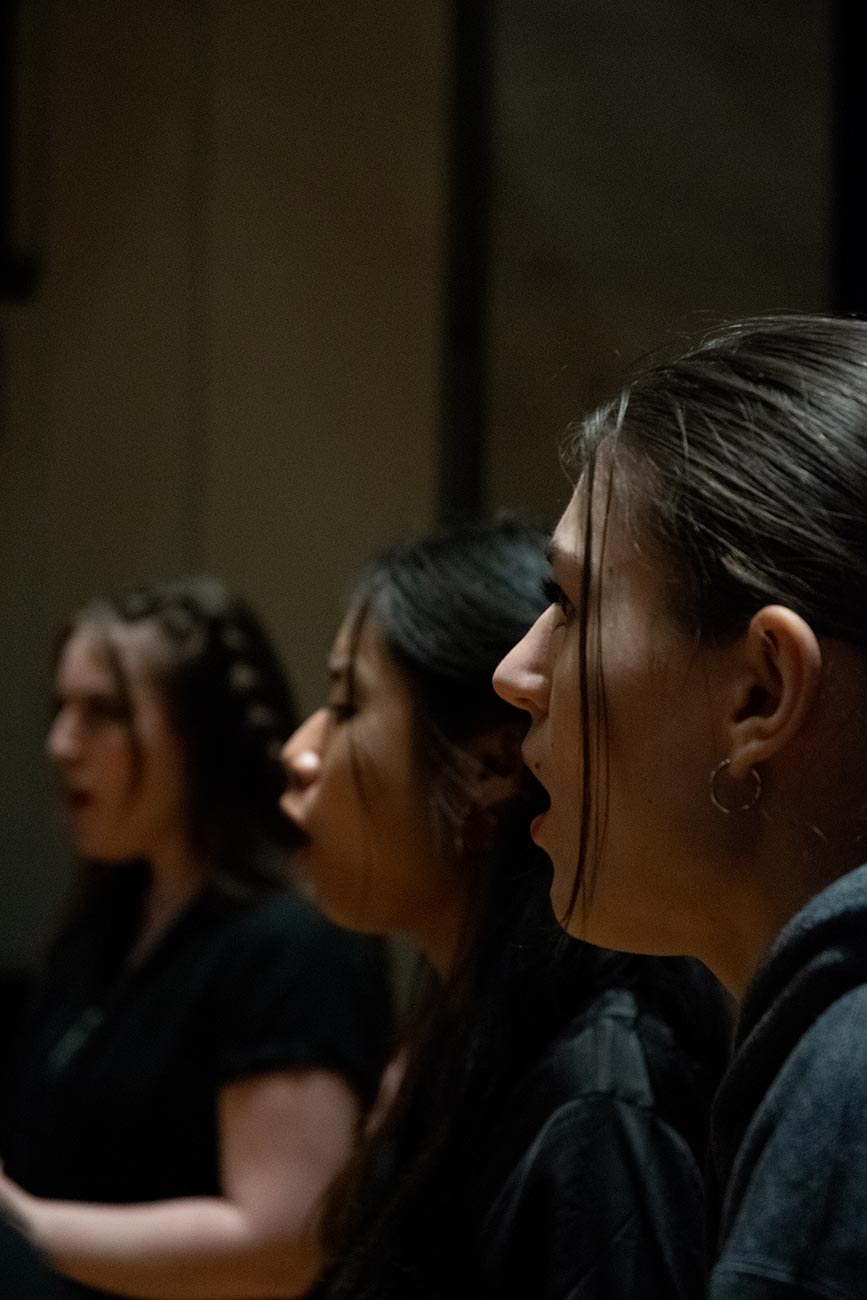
(341, 711)
(555, 595)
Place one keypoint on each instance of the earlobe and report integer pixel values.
(779, 688)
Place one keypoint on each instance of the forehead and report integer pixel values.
(618, 553)
(360, 652)
(94, 653)
(84, 663)
(567, 543)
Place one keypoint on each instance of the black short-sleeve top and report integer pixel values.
(118, 1080)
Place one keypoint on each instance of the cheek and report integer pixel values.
(336, 814)
(155, 789)
(398, 870)
(565, 728)
(660, 756)
(115, 766)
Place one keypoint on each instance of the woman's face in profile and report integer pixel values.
(649, 696)
(119, 761)
(369, 844)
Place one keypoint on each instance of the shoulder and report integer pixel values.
(277, 914)
(600, 1190)
(817, 1102)
(282, 956)
(293, 991)
(835, 1025)
(611, 1049)
(796, 1209)
(286, 926)
(825, 1074)
(612, 1066)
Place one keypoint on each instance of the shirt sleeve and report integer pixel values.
(605, 1205)
(295, 992)
(800, 1227)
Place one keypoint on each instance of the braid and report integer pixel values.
(263, 713)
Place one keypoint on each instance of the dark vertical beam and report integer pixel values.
(849, 221)
(17, 272)
(199, 190)
(462, 446)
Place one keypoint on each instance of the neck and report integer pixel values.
(763, 900)
(177, 877)
(439, 937)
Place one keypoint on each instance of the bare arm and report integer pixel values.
(283, 1138)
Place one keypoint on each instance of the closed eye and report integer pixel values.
(341, 710)
(555, 595)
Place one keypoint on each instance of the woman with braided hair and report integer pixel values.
(204, 1044)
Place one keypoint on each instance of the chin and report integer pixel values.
(107, 855)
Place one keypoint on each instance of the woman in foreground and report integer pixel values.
(698, 701)
(546, 1137)
(204, 1044)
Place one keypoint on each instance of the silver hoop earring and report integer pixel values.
(753, 798)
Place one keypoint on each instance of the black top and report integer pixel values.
(599, 1194)
(23, 1276)
(789, 1140)
(581, 1181)
(119, 1079)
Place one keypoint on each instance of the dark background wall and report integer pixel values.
(657, 165)
(233, 358)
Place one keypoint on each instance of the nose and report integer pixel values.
(62, 741)
(522, 678)
(301, 756)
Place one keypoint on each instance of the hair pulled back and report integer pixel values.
(745, 460)
(230, 702)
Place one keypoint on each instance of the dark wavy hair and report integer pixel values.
(231, 704)
(405, 1219)
(743, 462)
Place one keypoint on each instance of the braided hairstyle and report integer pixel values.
(229, 699)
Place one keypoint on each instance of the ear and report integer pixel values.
(777, 689)
(495, 756)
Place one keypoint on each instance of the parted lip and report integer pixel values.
(291, 816)
(76, 796)
(540, 797)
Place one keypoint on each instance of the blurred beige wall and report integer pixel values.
(231, 363)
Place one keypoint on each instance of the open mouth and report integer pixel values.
(297, 838)
(539, 802)
(77, 800)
